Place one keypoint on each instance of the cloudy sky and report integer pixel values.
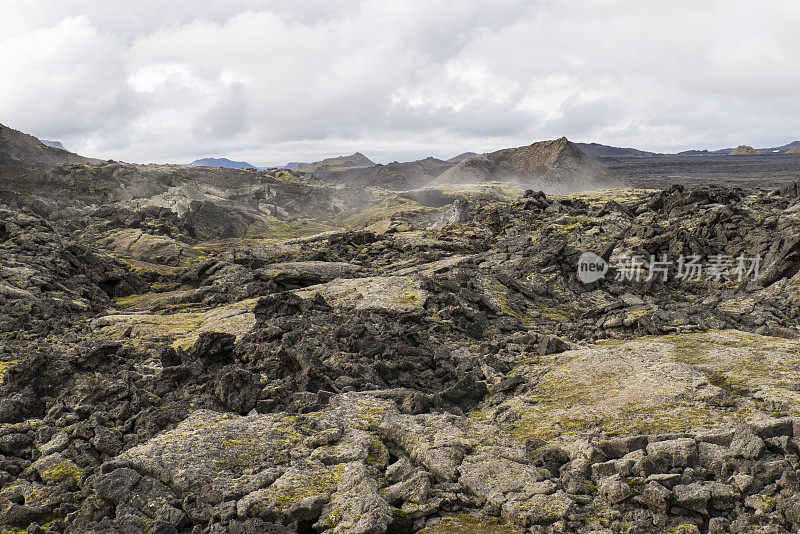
(274, 81)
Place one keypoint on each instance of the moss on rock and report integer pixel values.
(654, 384)
(467, 524)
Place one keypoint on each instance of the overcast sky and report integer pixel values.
(274, 81)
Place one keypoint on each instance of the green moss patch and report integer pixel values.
(4, 367)
(650, 385)
(385, 210)
(467, 524)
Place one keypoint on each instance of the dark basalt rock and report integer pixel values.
(279, 305)
(213, 348)
(206, 220)
(237, 389)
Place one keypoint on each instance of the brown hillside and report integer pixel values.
(21, 153)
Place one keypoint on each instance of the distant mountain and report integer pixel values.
(597, 151)
(339, 163)
(54, 144)
(224, 163)
(793, 150)
(609, 154)
(744, 150)
(557, 165)
(293, 164)
(394, 175)
(461, 157)
(721, 151)
(783, 149)
(694, 153)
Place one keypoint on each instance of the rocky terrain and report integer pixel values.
(749, 172)
(207, 350)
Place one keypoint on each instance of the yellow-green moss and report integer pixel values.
(553, 416)
(552, 313)
(572, 400)
(688, 348)
(527, 312)
(409, 298)
(575, 224)
(372, 416)
(284, 176)
(238, 453)
(4, 367)
(668, 417)
(64, 471)
(129, 301)
(375, 455)
(499, 293)
(601, 196)
(684, 529)
(290, 229)
(750, 365)
(467, 524)
(323, 482)
(146, 268)
(384, 210)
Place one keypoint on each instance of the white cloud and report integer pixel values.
(155, 76)
(64, 80)
(284, 80)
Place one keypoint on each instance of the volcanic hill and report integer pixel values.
(339, 163)
(558, 166)
(744, 150)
